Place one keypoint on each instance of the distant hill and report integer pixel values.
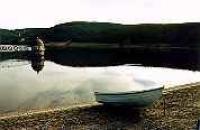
(187, 34)
(7, 36)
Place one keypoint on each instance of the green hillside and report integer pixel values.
(187, 34)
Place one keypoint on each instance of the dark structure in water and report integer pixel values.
(39, 48)
(37, 57)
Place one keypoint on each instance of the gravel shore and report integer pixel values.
(176, 110)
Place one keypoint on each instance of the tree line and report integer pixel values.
(186, 34)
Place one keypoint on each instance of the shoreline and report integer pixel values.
(41, 111)
(177, 109)
(33, 112)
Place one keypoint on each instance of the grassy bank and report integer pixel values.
(176, 110)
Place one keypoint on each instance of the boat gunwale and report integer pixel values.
(131, 92)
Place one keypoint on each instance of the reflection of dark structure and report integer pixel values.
(37, 56)
(37, 63)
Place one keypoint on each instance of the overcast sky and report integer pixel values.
(46, 13)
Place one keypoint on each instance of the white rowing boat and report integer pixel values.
(135, 98)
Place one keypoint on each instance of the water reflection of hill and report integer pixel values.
(19, 58)
(174, 58)
(13, 55)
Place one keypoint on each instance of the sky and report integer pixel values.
(16, 14)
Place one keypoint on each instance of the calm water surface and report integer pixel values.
(34, 84)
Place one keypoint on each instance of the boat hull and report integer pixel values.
(138, 99)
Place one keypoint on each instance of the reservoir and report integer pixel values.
(61, 79)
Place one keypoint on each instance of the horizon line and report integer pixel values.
(119, 23)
